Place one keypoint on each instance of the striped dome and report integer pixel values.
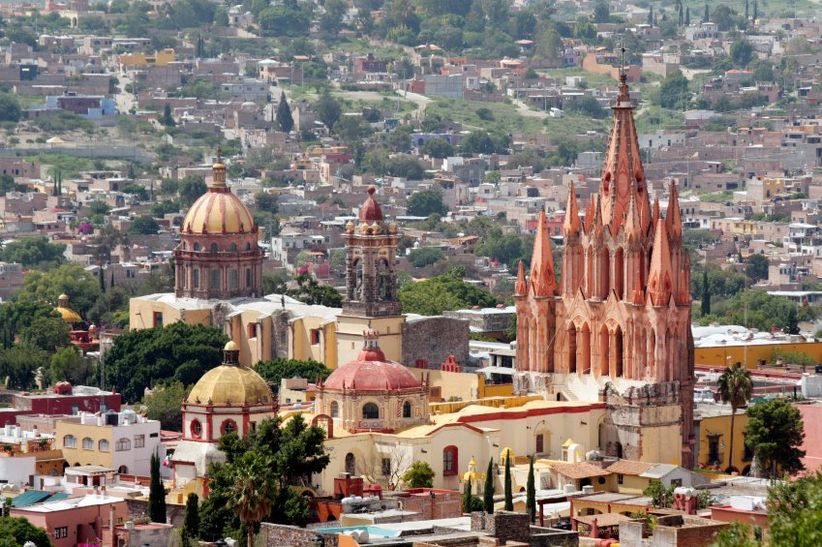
(218, 211)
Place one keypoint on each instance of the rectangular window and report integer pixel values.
(315, 336)
(196, 278)
(251, 330)
(154, 435)
(620, 479)
(157, 319)
(386, 467)
(61, 532)
(139, 441)
(215, 279)
(233, 279)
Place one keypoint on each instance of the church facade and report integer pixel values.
(615, 326)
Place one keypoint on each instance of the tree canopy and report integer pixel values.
(292, 452)
(32, 251)
(181, 352)
(419, 475)
(774, 433)
(673, 93)
(17, 531)
(425, 203)
(441, 293)
(274, 371)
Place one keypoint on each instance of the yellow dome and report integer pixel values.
(68, 315)
(218, 211)
(231, 385)
(231, 345)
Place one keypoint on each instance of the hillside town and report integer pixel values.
(410, 273)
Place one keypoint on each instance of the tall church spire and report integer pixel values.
(571, 224)
(660, 276)
(542, 261)
(673, 217)
(521, 286)
(622, 171)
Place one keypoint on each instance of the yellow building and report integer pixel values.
(752, 355)
(714, 441)
(142, 60)
(123, 441)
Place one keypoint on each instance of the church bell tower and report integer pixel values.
(371, 300)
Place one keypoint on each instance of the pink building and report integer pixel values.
(86, 520)
(812, 419)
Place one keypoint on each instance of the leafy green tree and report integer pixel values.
(738, 534)
(351, 128)
(294, 452)
(72, 279)
(284, 121)
(68, 364)
(19, 363)
(266, 202)
(164, 403)
(274, 371)
(741, 52)
(425, 203)
(531, 493)
(253, 490)
(735, 386)
(156, 493)
(48, 333)
(404, 165)
(724, 17)
(482, 142)
(602, 13)
(140, 358)
(757, 267)
(437, 148)
(16, 531)
(661, 496)
(32, 251)
(7, 184)
(795, 512)
(774, 433)
(587, 106)
(425, 256)
(419, 475)
(191, 188)
(673, 93)
(167, 118)
(328, 109)
(443, 292)
(509, 496)
(10, 110)
(488, 489)
(309, 291)
(17, 314)
(706, 294)
(144, 225)
(191, 522)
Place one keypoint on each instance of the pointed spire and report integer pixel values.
(638, 293)
(660, 276)
(542, 261)
(521, 286)
(218, 172)
(571, 224)
(673, 217)
(590, 214)
(622, 170)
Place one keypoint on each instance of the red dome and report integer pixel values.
(370, 210)
(371, 372)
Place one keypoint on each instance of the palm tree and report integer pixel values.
(735, 387)
(252, 492)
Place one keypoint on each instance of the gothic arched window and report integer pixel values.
(370, 411)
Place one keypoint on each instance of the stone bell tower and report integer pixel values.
(371, 300)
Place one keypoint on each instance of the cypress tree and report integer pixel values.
(531, 493)
(706, 294)
(651, 16)
(488, 490)
(284, 121)
(706, 17)
(101, 278)
(466, 497)
(746, 10)
(191, 523)
(687, 16)
(111, 281)
(755, 11)
(156, 493)
(681, 15)
(509, 497)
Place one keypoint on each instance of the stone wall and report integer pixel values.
(433, 339)
(505, 526)
(138, 510)
(278, 535)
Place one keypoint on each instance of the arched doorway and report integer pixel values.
(350, 464)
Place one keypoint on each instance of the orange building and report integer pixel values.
(617, 326)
